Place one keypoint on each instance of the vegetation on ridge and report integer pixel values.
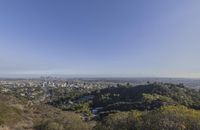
(153, 106)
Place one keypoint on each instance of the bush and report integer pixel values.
(9, 115)
(121, 121)
(172, 118)
(51, 126)
(164, 118)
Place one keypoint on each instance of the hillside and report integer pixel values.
(18, 115)
(153, 106)
(148, 107)
(164, 118)
(147, 95)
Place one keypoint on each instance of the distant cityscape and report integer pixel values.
(41, 88)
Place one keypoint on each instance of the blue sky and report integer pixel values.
(127, 38)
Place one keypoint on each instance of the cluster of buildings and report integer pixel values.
(39, 88)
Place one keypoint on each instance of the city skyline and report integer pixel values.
(100, 38)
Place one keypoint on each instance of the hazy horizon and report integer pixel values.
(13, 75)
(102, 38)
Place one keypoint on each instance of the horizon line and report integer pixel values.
(28, 76)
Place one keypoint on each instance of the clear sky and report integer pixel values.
(129, 38)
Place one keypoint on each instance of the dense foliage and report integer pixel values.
(164, 118)
(145, 97)
(156, 106)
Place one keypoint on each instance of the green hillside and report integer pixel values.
(156, 106)
(146, 97)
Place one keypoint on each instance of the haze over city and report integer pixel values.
(101, 38)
